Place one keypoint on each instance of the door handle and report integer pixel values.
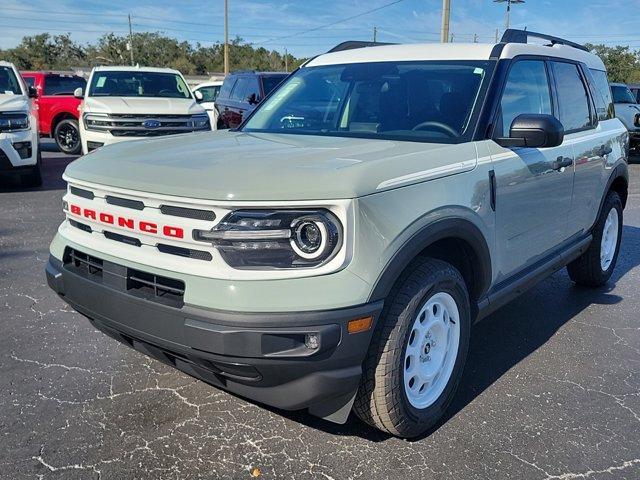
(562, 162)
(604, 150)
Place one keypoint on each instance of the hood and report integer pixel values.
(626, 113)
(14, 103)
(227, 165)
(150, 105)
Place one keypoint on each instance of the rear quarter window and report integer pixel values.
(227, 86)
(602, 95)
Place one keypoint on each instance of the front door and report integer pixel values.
(533, 189)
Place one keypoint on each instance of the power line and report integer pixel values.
(333, 23)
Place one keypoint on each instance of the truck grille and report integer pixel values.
(149, 286)
(133, 125)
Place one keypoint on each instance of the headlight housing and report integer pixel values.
(200, 122)
(276, 239)
(14, 121)
(96, 121)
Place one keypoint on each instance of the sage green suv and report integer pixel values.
(332, 253)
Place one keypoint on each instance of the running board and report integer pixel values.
(527, 279)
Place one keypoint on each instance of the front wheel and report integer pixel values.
(67, 136)
(418, 352)
(595, 266)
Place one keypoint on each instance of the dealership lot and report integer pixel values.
(551, 390)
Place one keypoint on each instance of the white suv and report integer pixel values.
(19, 150)
(125, 103)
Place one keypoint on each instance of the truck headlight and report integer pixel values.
(13, 121)
(96, 121)
(268, 239)
(200, 122)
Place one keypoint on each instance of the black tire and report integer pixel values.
(34, 177)
(381, 400)
(587, 270)
(67, 136)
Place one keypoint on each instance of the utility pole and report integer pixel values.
(475, 38)
(497, 33)
(375, 34)
(507, 21)
(446, 13)
(226, 37)
(130, 40)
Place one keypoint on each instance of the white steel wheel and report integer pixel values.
(431, 350)
(609, 240)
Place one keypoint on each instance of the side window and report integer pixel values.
(62, 85)
(253, 88)
(573, 102)
(602, 95)
(238, 92)
(208, 93)
(227, 86)
(30, 81)
(526, 91)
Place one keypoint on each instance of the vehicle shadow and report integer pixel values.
(508, 336)
(52, 170)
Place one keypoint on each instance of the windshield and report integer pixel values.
(9, 84)
(622, 94)
(420, 101)
(138, 84)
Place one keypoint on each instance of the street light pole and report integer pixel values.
(507, 20)
(130, 40)
(226, 37)
(446, 12)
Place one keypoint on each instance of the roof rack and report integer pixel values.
(351, 44)
(522, 36)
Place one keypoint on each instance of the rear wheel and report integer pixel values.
(417, 356)
(595, 266)
(67, 136)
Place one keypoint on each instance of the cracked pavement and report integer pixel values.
(551, 389)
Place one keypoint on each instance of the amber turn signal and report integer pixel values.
(359, 325)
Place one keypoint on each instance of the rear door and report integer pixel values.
(533, 195)
(237, 105)
(223, 101)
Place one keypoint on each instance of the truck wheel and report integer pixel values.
(34, 177)
(67, 136)
(595, 266)
(418, 352)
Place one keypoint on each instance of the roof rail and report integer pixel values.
(522, 36)
(351, 44)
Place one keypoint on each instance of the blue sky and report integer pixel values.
(278, 24)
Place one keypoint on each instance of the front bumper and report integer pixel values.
(262, 357)
(10, 158)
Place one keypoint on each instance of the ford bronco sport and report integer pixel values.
(333, 252)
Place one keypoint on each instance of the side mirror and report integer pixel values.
(636, 120)
(198, 95)
(78, 93)
(33, 92)
(534, 130)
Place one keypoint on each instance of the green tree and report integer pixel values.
(623, 64)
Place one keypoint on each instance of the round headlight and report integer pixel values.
(309, 238)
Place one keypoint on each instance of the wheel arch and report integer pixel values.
(60, 116)
(618, 182)
(455, 240)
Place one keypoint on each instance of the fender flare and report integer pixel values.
(621, 171)
(429, 234)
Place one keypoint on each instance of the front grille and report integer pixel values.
(122, 238)
(193, 213)
(155, 288)
(133, 125)
(185, 252)
(125, 202)
(82, 226)
(80, 192)
(92, 266)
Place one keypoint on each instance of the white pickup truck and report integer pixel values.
(125, 103)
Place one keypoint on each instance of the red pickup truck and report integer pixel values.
(57, 107)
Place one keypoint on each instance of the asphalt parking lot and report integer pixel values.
(551, 389)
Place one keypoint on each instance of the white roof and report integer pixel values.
(125, 68)
(452, 51)
(215, 83)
